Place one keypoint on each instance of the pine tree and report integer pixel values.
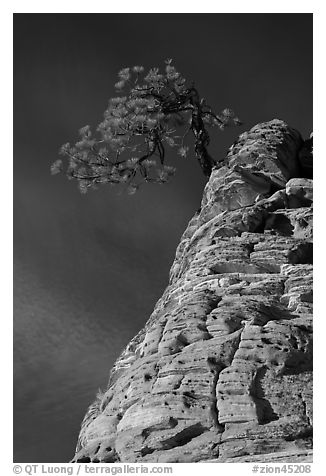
(129, 146)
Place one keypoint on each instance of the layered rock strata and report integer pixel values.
(222, 370)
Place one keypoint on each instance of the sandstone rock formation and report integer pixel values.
(222, 370)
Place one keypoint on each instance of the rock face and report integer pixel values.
(222, 370)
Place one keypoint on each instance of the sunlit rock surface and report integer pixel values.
(222, 370)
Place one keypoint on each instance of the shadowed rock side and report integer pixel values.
(222, 370)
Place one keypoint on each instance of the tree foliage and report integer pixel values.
(129, 145)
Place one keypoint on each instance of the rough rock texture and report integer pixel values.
(222, 370)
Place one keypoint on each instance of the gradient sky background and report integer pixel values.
(88, 270)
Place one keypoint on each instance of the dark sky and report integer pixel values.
(89, 269)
